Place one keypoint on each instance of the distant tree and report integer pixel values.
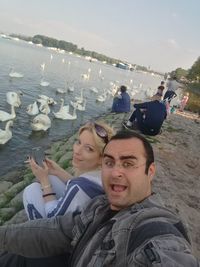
(194, 72)
(179, 73)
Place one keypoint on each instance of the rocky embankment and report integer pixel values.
(177, 154)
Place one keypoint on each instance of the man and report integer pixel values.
(126, 227)
(172, 86)
(148, 117)
(122, 101)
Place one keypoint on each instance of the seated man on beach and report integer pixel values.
(125, 227)
(121, 101)
(148, 117)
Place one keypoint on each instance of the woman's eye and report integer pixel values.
(89, 149)
(77, 142)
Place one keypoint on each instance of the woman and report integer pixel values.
(57, 192)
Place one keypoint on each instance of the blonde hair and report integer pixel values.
(100, 142)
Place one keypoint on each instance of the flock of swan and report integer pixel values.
(41, 108)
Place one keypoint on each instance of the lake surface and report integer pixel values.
(60, 70)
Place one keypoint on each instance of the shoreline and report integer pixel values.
(177, 157)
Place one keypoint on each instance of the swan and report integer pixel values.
(94, 90)
(41, 123)
(101, 98)
(14, 74)
(79, 99)
(78, 106)
(6, 135)
(71, 88)
(44, 83)
(49, 100)
(62, 107)
(63, 115)
(5, 116)
(13, 98)
(32, 109)
(44, 108)
(61, 91)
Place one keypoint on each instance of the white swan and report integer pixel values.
(5, 116)
(101, 98)
(49, 100)
(61, 91)
(94, 90)
(41, 123)
(64, 115)
(6, 135)
(32, 109)
(44, 83)
(44, 108)
(71, 89)
(13, 98)
(78, 106)
(79, 99)
(14, 74)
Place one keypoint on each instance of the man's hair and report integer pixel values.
(123, 88)
(123, 134)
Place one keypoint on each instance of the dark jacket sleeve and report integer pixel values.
(141, 105)
(38, 238)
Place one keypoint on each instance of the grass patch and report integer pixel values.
(171, 129)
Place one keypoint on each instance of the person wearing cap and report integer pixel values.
(121, 101)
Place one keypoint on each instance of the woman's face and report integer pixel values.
(86, 156)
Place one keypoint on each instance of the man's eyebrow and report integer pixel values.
(121, 157)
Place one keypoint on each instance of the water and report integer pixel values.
(26, 58)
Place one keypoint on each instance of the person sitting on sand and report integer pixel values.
(121, 101)
(56, 191)
(148, 117)
(160, 90)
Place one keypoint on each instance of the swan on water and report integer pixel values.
(44, 83)
(5, 116)
(78, 106)
(61, 91)
(14, 74)
(64, 115)
(49, 100)
(32, 109)
(71, 89)
(6, 135)
(41, 123)
(79, 99)
(12, 98)
(44, 108)
(94, 90)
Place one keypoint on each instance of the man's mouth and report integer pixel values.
(118, 188)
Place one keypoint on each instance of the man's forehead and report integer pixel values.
(125, 147)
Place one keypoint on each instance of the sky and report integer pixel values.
(159, 34)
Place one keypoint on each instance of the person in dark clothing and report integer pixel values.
(121, 101)
(149, 117)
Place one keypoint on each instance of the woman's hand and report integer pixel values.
(56, 170)
(41, 172)
(53, 167)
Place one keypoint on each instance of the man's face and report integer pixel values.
(123, 173)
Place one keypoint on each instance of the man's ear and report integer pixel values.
(152, 171)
